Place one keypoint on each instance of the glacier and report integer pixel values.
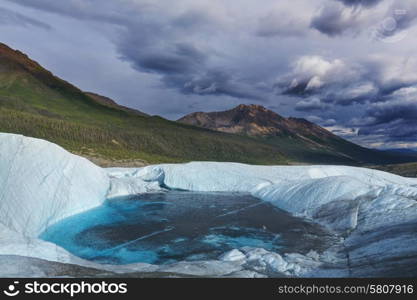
(373, 213)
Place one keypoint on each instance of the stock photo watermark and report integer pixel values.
(390, 30)
(63, 288)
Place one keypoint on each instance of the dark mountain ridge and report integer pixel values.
(297, 138)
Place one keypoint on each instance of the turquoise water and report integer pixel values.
(168, 227)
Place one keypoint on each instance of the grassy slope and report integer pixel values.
(305, 153)
(407, 170)
(35, 103)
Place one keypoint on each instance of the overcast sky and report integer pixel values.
(348, 65)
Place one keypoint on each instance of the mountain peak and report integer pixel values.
(256, 113)
(256, 120)
(9, 53)
(15, 60)
(252, 119)
(5, 48)
(297, 137)
(253, 107)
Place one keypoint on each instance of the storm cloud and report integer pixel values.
(342, 82)
(395, 118)
(347, 61)
(335, 19)
(360, 2)
(386, 87)
(330, 80)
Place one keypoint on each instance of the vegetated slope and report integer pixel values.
(106, 101)
(298, 139)
(406, 169)
(36, 103)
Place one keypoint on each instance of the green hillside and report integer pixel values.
(35, 103)
(325, 150)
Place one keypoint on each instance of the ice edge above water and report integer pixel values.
(42, 184)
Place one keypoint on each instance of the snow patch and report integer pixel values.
(41, 183)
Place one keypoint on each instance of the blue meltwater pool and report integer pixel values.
(174, 226)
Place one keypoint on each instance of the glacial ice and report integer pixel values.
(232, 255)
(373, 212)
(41, 183)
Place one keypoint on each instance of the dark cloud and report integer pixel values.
(309, 105)
(385, 87)
(213, 54)
(183, 67)
(396, 118)
(9, 17)
(105, 11)
(334, 19)
(400, 131)
(332, 81)
(354, 16)
(393, 110)
(360, 2)
(329, 21)
(346, 83)
(159, 43)
(172, 59)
